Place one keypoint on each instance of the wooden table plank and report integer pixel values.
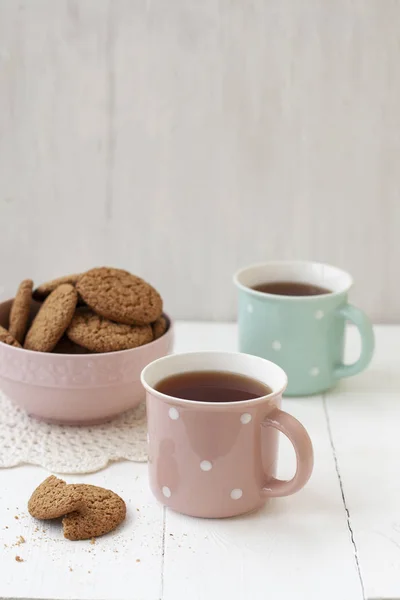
(123, 565)
(297, 547)
(364, 417)
(365, 436)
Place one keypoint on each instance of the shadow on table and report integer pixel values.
(307, 503)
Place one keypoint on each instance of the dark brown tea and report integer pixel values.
(212, 386)
(291, 288)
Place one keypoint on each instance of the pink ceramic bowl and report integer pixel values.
(76, 389)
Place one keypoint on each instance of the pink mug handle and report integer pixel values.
(302, 445)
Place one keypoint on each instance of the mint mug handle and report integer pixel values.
(361, 321)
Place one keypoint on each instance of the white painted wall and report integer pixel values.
(184, 139)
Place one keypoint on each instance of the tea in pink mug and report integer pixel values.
(213, 458)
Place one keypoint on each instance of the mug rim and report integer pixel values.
(278, 263)
(241, 403)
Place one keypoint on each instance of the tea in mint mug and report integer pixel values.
(302, 334)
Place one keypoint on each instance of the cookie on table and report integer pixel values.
(120, 296)
(104, 511)
(45, 289)
(20, 310)
(7, 338)
(53, 498)
(52, 319)
(98, 334)
(159, 327)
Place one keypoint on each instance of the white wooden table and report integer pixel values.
(337, 539)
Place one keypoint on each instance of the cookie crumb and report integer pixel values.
(21, 540)
(6, 527)
(138, 560)
(19, 559)
(89, 571)
(71, 569)
(16, 517)
(93, 541)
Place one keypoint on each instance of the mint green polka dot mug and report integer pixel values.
(302, 334)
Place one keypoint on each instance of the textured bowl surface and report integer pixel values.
(76, 389)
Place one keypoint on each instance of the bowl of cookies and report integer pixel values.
(72, 350)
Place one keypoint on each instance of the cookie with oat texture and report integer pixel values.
(7, 338)
(98, 334)
(159, 327)
(20, 310)
(46, 288)
(104, 510)
(54, 498)
(120, 296)
(53, 319)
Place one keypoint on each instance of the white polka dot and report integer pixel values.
(205, 465)
(319, 314)
(314, 371)
(276, 345)
(148, 439)
(250, 308)
(166, 491)
(173, 413)
(245, 418)
(236, 494)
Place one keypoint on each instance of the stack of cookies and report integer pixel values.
(102, 310)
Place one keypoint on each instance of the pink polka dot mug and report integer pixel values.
(218, 459)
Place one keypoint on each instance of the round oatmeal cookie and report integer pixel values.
(53, 498)
(45, 289)
(101, 335)
(159, 327)
(7, 338)
(52, 319)
(104, 511)
(119, 296)
(19, 314)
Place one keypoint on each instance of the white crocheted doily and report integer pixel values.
(65, 449)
